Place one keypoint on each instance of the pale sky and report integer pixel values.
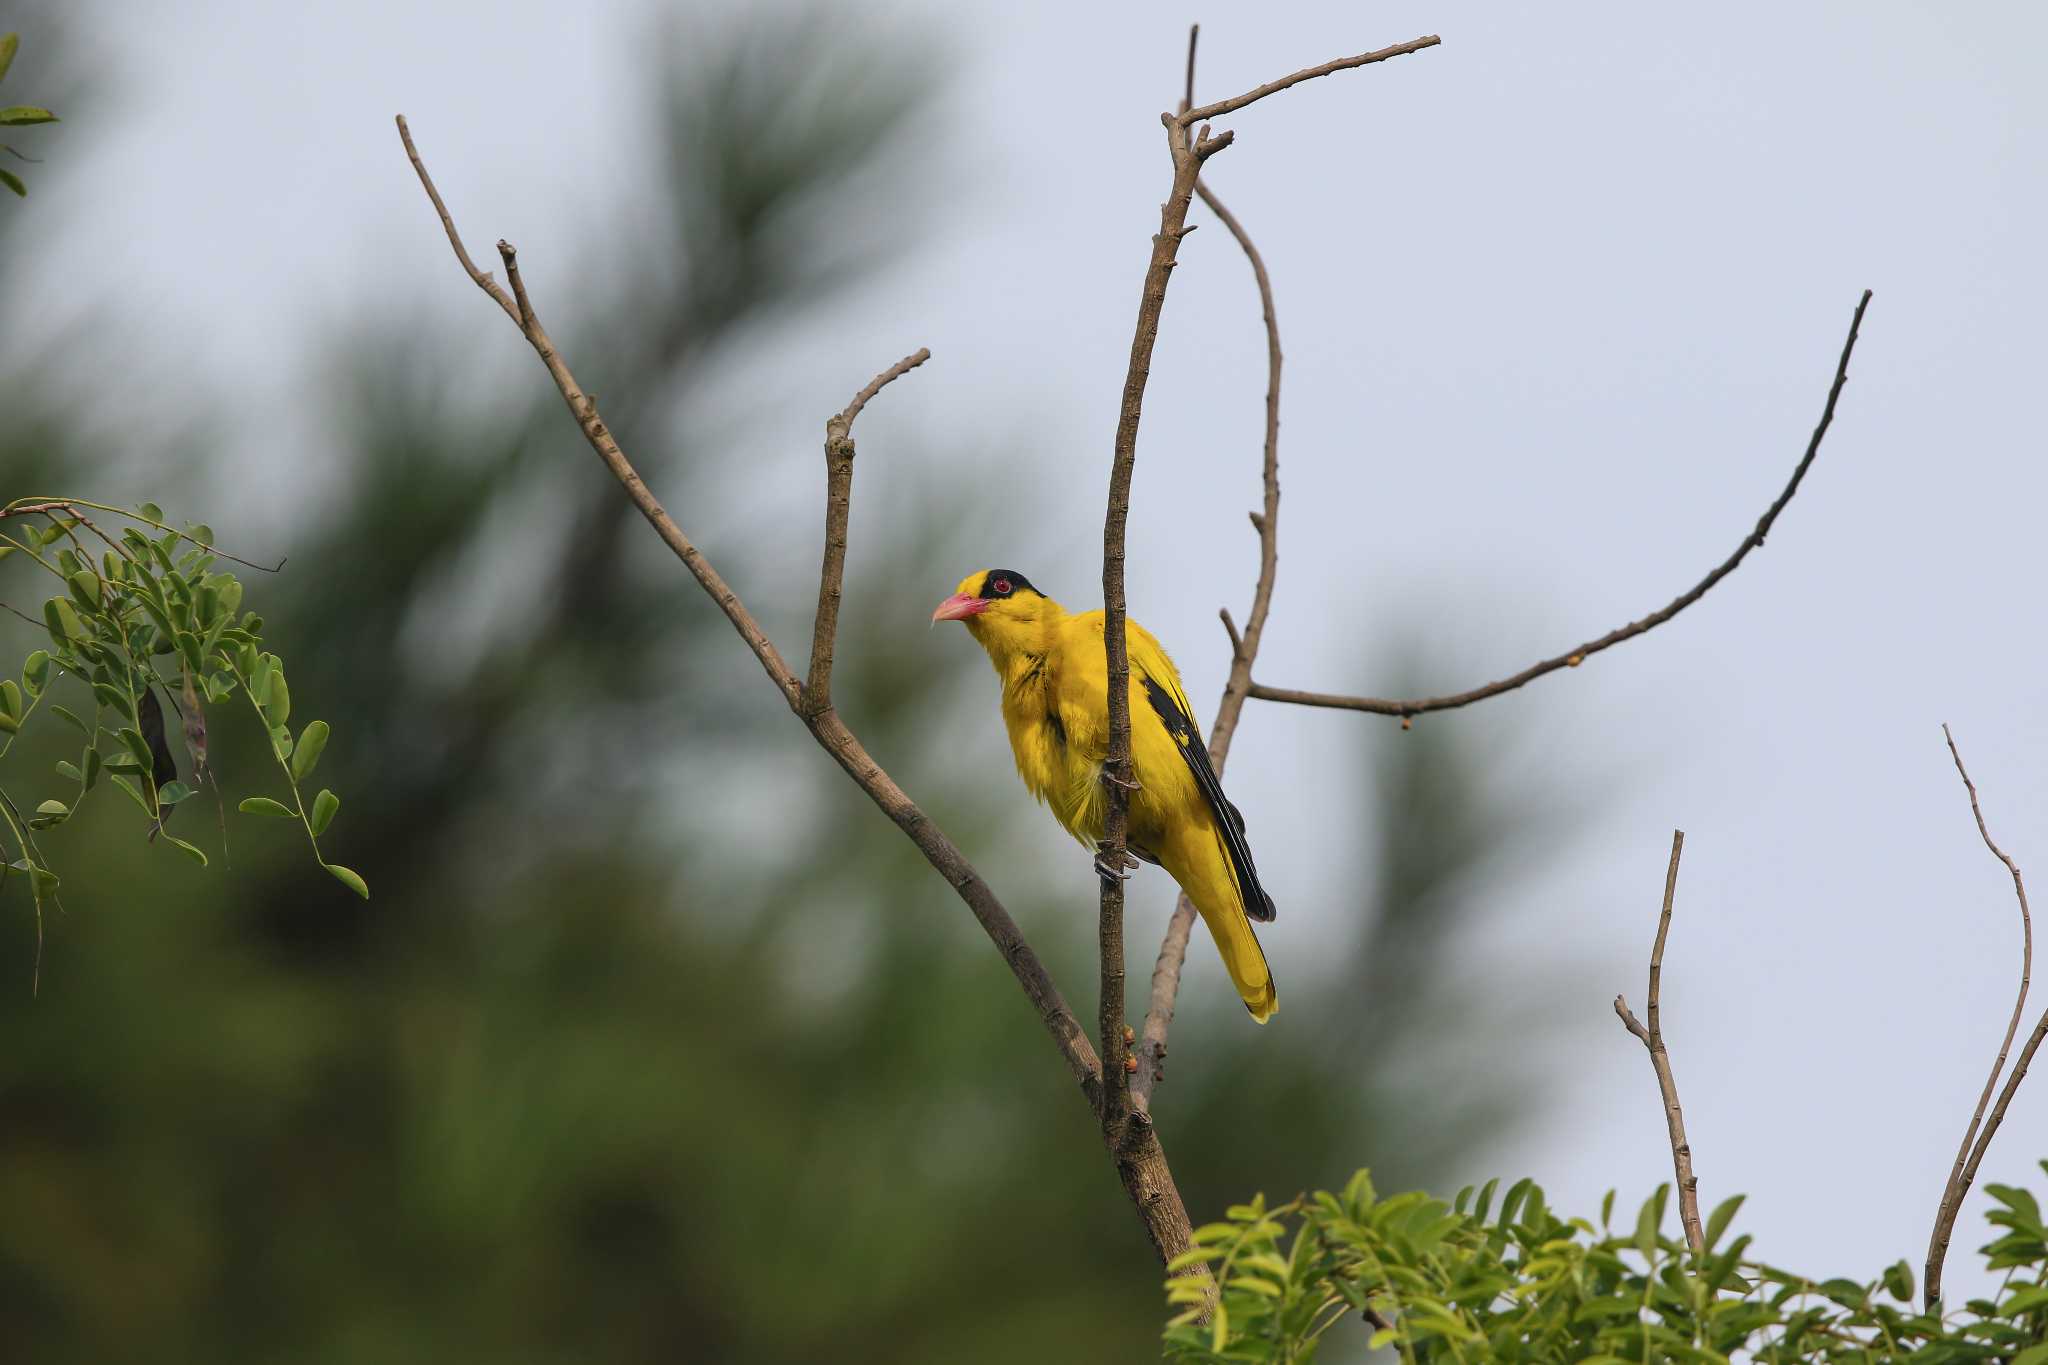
(1560, 300)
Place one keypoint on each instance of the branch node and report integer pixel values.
(1230, 629)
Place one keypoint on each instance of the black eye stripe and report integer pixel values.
(1004, 583)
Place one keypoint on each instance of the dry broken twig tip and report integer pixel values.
(1652, 1038)
(1975, 1143)
(1244, 649)
(839, 452)
(1572, 658)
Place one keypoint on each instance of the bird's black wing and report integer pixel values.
(1181, 726)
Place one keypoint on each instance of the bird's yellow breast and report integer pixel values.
(1055, 708)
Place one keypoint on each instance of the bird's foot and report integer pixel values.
(1128, 784)
(1118, 870)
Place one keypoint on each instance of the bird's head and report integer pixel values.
(999, 607)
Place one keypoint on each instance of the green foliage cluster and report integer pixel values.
(16, 115)
(154, 610)
(1464, 1282)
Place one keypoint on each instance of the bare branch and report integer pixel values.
(817, 694)
(1190, 117)
(483, 280)
(1973, 1146)
(1118, 773)
(1652, 1038)
(1574, 657)
(830, 732)
(1244, 649)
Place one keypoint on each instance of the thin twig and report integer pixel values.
(1189, 117)
(70, 506)
(817, 696)
(1972, 1150)
(831, 733)
(483, 280)
(1574, 657)
(1653, 1039)
(1244, 649)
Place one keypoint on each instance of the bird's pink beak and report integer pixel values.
(959, 606)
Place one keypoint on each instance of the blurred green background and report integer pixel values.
(655, 1041)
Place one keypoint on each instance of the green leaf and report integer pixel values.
(35, 674)
(65, 713)
(201, 532)
(8, 46)
(356, 884)
(1516, 1193)
(263, 805)
(130, 786)
(21, 115)
(312, 740)
(85, 589)
(69, 770)
(2033, 1355)
(171, 793)
(10, 699)
(1898, 1281)
(324, 807)
(12, 182)
(1649, 1220)
(1723, 1214)
(138, 747)
(53, 808)
(192, 851)
(2026, 1301)
(2018, 1200)
(62, 622)
(111, 696)
(278, 707)
(149, 511)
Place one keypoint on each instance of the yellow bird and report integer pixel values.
(1056, 708)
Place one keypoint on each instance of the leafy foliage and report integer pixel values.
(152, 611)
(1466, 1282)
(16, 115)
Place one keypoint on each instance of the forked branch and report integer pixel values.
(1975, 1143)
(830, 732)
(1244, 648)
(1572, 658)
(1652, 1038)
(1126, 1125)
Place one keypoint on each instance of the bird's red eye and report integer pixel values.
(1001, 587)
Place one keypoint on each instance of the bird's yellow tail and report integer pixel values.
(1204, 873)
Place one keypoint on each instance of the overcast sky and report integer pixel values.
(1561, 299)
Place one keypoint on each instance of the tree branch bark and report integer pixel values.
(1971, 1153)
(817, 693)
(1574, 657)
(1244, 648)
(825, 725)
(1652, 1038)
(1126, 1125)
